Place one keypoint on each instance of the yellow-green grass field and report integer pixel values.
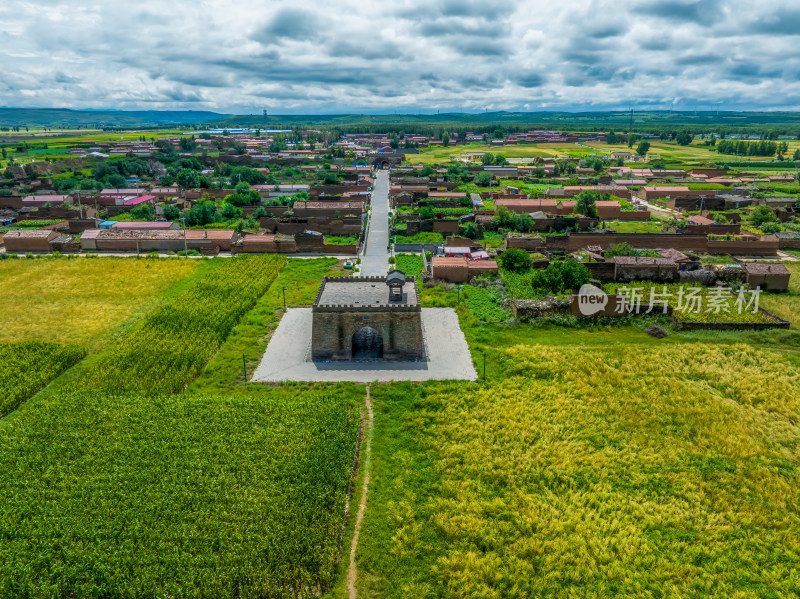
(85, 300)
(442, 155)
(590, 464)
(62, 140)
(669, 151)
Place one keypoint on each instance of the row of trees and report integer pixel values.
(750, 148)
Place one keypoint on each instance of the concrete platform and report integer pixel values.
(288, 354)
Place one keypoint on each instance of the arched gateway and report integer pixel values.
(367, 318)
(367, 344)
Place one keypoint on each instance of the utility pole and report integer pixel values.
(185, 252)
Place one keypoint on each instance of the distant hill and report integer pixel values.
(601, 120)
(63, 117)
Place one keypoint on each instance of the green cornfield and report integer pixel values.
(28, 366)
(169, 495)
(171, 346)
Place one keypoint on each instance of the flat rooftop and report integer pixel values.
(363, 291)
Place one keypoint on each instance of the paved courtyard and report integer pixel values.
(288, 354)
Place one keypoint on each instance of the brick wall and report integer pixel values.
(715, 229)
(577, 241)
(445, 226)
(13, 202)
(333, 330)
(601, 270)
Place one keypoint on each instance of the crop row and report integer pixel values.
(167, 495)
(174, 342)
(28, 366)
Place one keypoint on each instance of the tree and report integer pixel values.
(796, 155)
(560, 277)
(142, 212)
(445, 138)
(643, 148)
(524, 223)
(187, 144)
(503, 217)
(631, 139)
(770, 228)
(248, 175)
(230, 211)
(471, 230)
(515, 259)
(586, 203)
(187, 178)
(202, 213)
(763, 214)
(483, 179)
(171, 212)
(242, 187)
(487, 158)
(621, 249)
(684, 138)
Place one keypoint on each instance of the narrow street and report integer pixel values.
(375, 260)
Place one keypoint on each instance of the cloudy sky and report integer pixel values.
(244, 56)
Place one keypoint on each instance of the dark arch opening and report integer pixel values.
(385, 164)
(367, 344)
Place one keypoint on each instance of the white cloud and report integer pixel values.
(347, 55)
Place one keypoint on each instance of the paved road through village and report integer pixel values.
(375, 261)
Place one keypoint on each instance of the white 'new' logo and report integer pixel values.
(591, 300)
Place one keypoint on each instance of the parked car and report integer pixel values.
(348, 264)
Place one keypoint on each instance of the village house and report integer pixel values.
(772, 276)
(29, 240)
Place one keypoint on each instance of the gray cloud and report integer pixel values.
(529, 80)
(292, 23)
(697, 11)
(413, 55)
(784, 21)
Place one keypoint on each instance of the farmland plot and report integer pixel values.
(82, 300)
(28, 366)
(173, 343)
(175, 496)
(674, 470)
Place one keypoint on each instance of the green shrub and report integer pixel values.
(561, 277)
(515, 259)
(763, 214)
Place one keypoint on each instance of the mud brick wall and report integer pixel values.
(714, 229)
(577, 241)
(453, 274)
(601, 270)
(531, 244)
